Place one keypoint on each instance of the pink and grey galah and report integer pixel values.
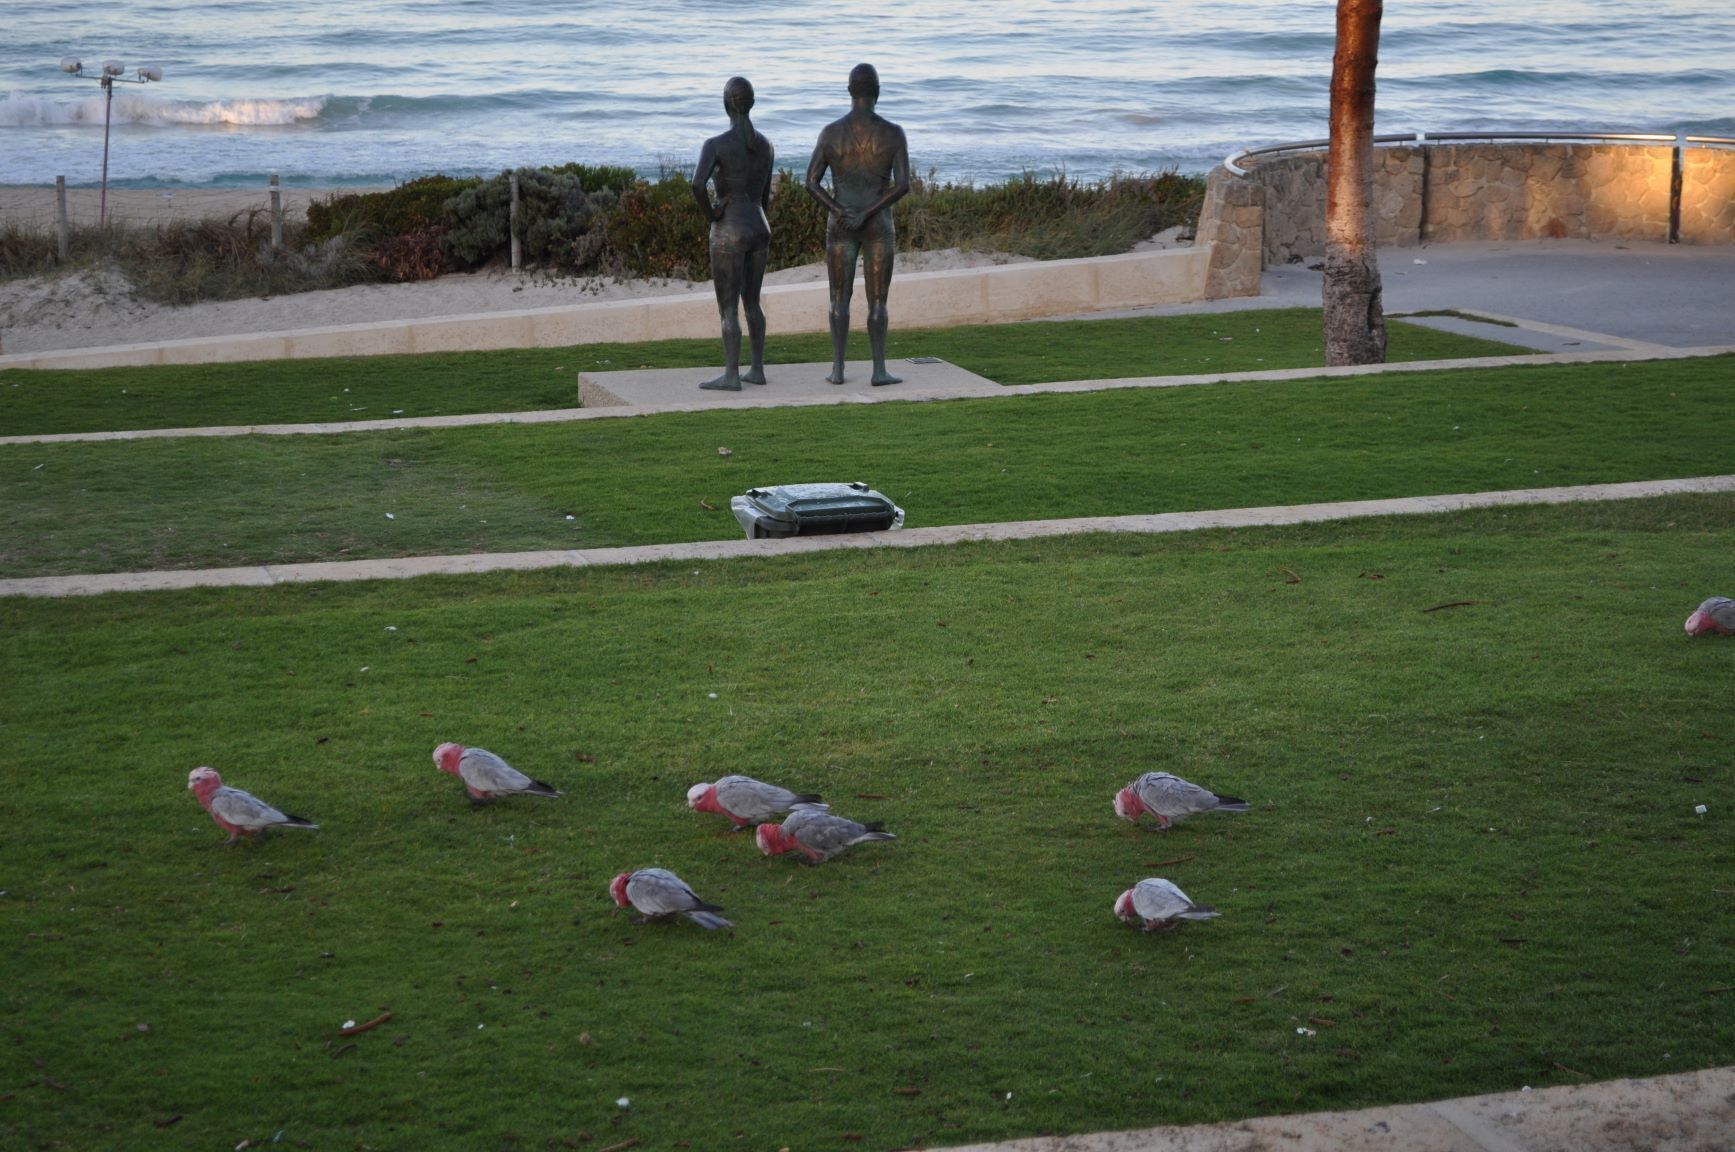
(745, 800)
(1170, 799)
(486, 777)
(1160, 905)
(1715, 617)
(657, 892)
(817, 835)
(236, 812)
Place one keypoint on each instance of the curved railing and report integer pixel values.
(1652, 138)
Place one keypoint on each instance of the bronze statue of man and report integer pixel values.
(739, 163)
(870, 171)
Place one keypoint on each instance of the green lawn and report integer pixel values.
(291, 391)
(1472, 861)
(188, 503)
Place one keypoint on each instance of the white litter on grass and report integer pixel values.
(389, 516)
(397, 411)
(571, 517)
(1305, 1032)
(40, 466)
(349, 1023)
(712, 695)
(1008, 1095)
(1526, 1088)
(1700, 809)
(479, 1027)
(391, 627)
(623, 1102)
(724, 452)
(1418, 261)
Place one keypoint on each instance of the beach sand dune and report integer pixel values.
(31, 206)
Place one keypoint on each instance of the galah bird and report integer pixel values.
(1715, 616)
(657, 892)
(1160, 905)
(745, 800)
(816, 834)
(236, 812)
(1170, 799)
(486, 777)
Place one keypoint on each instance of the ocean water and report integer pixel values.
(375, 91)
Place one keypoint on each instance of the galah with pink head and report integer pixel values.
(657, 893)
(1159, 904)
(816, 834)
(746, 801)
(1170, 799)
(236, 812)
(1715, 617)
(487, 777)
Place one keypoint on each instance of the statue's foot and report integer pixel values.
(753, 376)
(882, 377)
(836, 376)
(727, 382)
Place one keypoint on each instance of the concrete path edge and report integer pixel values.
(412, 566)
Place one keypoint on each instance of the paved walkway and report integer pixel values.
(947, 383)
(1690, 1112)
(398, 568)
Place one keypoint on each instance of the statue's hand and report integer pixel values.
(851, 220)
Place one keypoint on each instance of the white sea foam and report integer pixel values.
(17, 111)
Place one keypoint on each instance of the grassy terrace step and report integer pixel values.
(370, 388)
(1472, 860)
(211, 503)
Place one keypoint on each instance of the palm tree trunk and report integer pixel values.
(1355, 323)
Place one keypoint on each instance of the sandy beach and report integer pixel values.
(32, 205)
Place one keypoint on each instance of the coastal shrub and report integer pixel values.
(26, 252)
(1050, 218)
(596, 178)
(187, 262)
(420, 255)
(554, 217)
(655, 229)
(414, 206)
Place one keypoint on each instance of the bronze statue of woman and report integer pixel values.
(739, 163)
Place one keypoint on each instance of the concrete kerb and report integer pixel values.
(414, 566)
(897, 394)
(1686, 1112)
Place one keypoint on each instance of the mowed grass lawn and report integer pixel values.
(383, 387)
(1472, 863)
(200, 502)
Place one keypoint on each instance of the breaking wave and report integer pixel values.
(138, 108)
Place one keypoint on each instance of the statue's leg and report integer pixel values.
(726, 277)
(878, 272)
(840, 258)
(750, 284)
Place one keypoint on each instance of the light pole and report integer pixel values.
(111, 71)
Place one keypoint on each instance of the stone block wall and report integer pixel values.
(1515, 191)
(1231, 222)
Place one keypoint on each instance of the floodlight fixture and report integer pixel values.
(112, 71)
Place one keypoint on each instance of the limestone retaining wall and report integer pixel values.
(919, 300)
(1455, 192)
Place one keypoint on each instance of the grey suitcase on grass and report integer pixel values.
(813, 510)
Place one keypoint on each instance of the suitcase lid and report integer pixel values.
(790, 503)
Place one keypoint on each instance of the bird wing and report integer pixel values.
(1158, 899)
(1722, 610)
(1173, 796)
(486, 772)
(753, 799)
(244, 810)
(658, 892)
(827, 835)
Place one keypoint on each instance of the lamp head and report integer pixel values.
(71, 64)
(113, 68)
(150, 72)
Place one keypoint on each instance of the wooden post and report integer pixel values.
(512, 226)
(62, 230)
(276, 216)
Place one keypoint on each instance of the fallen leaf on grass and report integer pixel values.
(1453, 604)
(426, 715)
(1168, 863)
(1370, 575)
(1386, 832)
(1513, 941)
(629, 1142)
(344, 1051)
(358, 1029)
(907, 1091)
(1246, 999)
(583, 757)
(870, 796)
(707, 505)
(169, 1123)
(1347, 1053)
(1322, 1022)
(1294, 577)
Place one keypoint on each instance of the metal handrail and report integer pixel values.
(1431, 137)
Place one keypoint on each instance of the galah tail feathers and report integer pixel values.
(236, 812)
(817, 834)
(486, 775)
(1159, 902)
(745, 800)
(1170, 799)
(658, 892)
(1715, 617)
